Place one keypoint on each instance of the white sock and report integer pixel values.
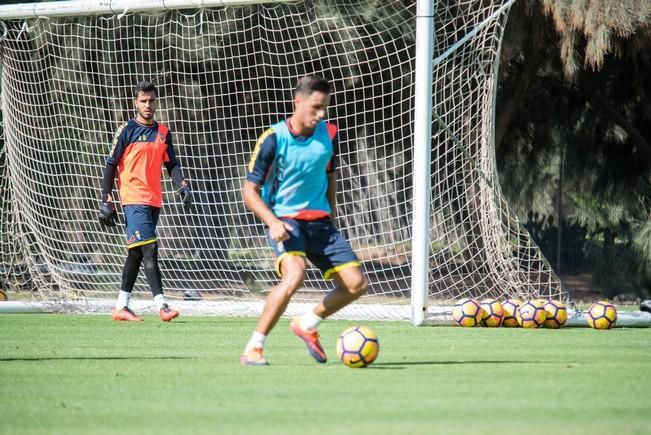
(310, 320)
(257, 340)
(159, 299)
(123, 299)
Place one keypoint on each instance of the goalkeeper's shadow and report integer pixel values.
(92, 358)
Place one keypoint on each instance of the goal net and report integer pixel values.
(225, 74)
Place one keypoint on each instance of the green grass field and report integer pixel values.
(65, 374)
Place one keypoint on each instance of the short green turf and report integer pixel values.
(75, 374)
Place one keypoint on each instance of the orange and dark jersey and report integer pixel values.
(139, 151)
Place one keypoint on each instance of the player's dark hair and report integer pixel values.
(145, 87)
(308, 84)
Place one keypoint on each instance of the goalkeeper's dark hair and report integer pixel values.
(308, 84)
(145, 87)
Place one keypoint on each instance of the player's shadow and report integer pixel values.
(176, 321)
(90, 358)
(403, 364)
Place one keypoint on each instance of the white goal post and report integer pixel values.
(414, 98)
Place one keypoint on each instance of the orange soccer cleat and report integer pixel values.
(125, 314)
(167, 314)
(253, 357)
(311, 339)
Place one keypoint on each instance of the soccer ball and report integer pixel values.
(492, 313)
(531, 314)
(510, 306)
(602, 315)
(358, 346)
(467, 312)
(556, 314)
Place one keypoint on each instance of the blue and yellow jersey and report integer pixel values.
(293, 170)
(139, 152)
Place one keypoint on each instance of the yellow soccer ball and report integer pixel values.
(510, 306)
(602, 315)
(358, 346)
(493, 313)
(531, 314)
(556, 314)
(467, 312)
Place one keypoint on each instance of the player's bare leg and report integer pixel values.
(293, 273)
(351, 284)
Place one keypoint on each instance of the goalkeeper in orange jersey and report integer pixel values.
(140, 147)
(290, 185)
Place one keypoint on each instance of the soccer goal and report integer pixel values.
(414, 98)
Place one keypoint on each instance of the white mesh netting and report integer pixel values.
(224, 75)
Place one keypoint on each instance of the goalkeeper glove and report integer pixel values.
(186, 197)
(107, 214)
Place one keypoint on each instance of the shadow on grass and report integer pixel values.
(91, 358)
(400, 365)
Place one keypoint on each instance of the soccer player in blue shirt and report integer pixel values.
(291, 185)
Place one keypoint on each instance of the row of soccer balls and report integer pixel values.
(534, 313)
(359, 346)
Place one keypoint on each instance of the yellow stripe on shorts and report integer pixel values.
(328, 273)
(285, 254)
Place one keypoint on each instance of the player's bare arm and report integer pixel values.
(332, 193)
(278, 230)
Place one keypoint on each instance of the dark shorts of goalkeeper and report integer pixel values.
(141, 224)
(318, 240)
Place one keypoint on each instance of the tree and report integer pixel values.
(574, 107)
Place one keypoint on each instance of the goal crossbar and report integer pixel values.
(73, 8)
